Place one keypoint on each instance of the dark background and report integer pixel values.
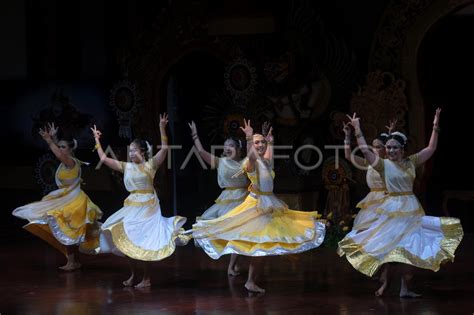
(60, 61)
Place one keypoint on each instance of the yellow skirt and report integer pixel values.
(62, 222)
(260, 226)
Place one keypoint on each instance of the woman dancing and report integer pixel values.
(138, 230)
(262, 225)
(234, 187)
(65, 218)
(402, 232)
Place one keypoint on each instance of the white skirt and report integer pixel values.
(227, 200)
(403, 234)
(141, 232)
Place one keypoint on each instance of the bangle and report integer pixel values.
(359, 135)
(194, 135)
(164, 138)
(249, 138)
(436, 129)
(96, 147)
(270, 142)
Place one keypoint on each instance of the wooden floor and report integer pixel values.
(189, 282)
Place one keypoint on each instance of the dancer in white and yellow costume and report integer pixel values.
(235, 188)
(367, 213)
(65, 218)
(138, 230)
(402, 232)
(262, 225)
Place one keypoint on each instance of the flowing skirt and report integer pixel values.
(368, 209)
(141, 232)
(260, 226)
(403, 234)
(63, 218)
(227, 200)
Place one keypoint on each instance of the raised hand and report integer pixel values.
(96, 132)
(43, 132)
(193, 128)
(247, 129)
(391, 126)
(269, 136)
(163, 120)
(436, 118)
(355, 121)
(265, 128)
(346, 128)
(52, 130)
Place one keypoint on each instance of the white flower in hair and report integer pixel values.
(149, 148)
(398, 133)
(74, 141)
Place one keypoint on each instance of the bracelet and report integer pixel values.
(358, 135)
(436, 129)
(270, 142)
(194, 135)
(96, 147)
(249, 138)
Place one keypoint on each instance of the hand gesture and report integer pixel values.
(163, 120)
(265, 128)
(391, 126)
(347, 129)
(269, 136)
(52, 130)
(193, 128)
(247, 129)
(355, 121)
(436, 118)
(96, 132)
(43, 132)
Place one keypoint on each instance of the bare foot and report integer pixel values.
(129, 281)
(71, 266)
(252, 287)
(409, 294)
(143, 284)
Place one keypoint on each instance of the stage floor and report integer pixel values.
(189, 282)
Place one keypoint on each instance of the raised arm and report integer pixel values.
(427, 152)
(251, 154)
(206, 156)
(268, 156)
(356, 160)
(53, 131)
(160, 156)
(64, 158)
(371, 158)
(391, 126)
(110, 162)
(265, 128)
